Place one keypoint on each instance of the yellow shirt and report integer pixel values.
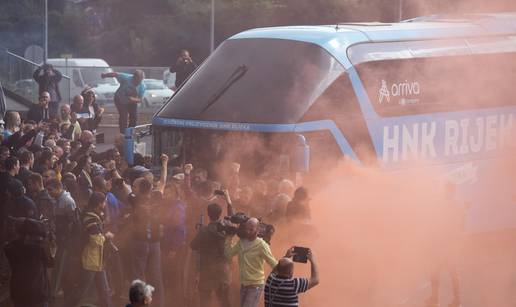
(251, 258)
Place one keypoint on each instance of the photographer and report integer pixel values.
(29, 258)
(48, 80)
(252, 253)
(281, 289)
(183, 67)
(214, 266)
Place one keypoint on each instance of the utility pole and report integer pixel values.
(400, 11)
(45, 57)
(212, 28)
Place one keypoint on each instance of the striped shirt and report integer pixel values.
(283, 291)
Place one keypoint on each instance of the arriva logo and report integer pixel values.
(402, 89)
(384, 92)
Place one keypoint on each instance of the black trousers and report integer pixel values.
(126, 110)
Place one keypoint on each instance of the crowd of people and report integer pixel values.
(73, 217)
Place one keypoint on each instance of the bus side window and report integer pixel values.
(339, 104)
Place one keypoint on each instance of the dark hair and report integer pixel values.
(4, 149)
(138, 159)
(96, 199)
(36, 178)
(98, 182)
(26, 156)
(145, 186)
(10, 163)
(214, 211)
(301, 193)
(46, 155)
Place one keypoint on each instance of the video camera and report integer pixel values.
(265, 231)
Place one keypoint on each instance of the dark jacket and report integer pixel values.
(37, 113)
(48, 83)
(45, 204)
(29, 260)
(183, 70)
(23, 175)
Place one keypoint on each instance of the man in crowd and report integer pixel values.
(127, 97)
(48, 80)
(282, 289)
(94, 239)
(183, 67)
(40, 111)
(26, 163)
(214, 271)
(252, 252)
(29, 258)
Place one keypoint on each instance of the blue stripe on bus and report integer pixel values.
(295, 128)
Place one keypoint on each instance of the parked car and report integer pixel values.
(156, 92)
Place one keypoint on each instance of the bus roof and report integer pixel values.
(337, 38)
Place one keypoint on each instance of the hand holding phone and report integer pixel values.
(300, 254)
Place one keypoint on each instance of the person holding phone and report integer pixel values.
(281, 288)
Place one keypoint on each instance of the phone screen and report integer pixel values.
(300, 254)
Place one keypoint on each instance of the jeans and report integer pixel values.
(124, 110)
(101, 283)
(147, 266)
(250, 295)
(222, 293)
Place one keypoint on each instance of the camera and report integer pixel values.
(265, 231)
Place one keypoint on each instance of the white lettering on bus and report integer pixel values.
(463, 136)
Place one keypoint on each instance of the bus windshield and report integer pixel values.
(256, 81)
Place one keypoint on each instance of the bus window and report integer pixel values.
(339, 104)
(255, 81)
(440, 84)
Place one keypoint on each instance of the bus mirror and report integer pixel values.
(301, 155)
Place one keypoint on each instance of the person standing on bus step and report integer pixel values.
(48, 80)
(183, 67)
(127, 97)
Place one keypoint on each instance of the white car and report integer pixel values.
(156, 92)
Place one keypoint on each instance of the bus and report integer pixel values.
(438, 89)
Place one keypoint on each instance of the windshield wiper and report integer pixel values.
(235, 76)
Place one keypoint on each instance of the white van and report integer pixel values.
(85, 72)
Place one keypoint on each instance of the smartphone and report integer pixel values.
(300, 254)
(219, 192)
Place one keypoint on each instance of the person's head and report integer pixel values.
(87, 137)
(44, 99)
(35, 183)
(65, 145)
(285, 268)
(184, 55)
(200, 175)
(301, 195)
(12, 120)
(17, 189)
(50, 142)
(286, 187)
(140, 294)
(48, 69)
(26, 159)
(54, 187)
(100, 185)
(47, 158)
(58, 152)
(89, 96)
(48, 174)
(78, 102)
(12, 165)
(138, 76)
(65, 111)
(142, 187)
(97, 203)
(214, 212)
(251, 229)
